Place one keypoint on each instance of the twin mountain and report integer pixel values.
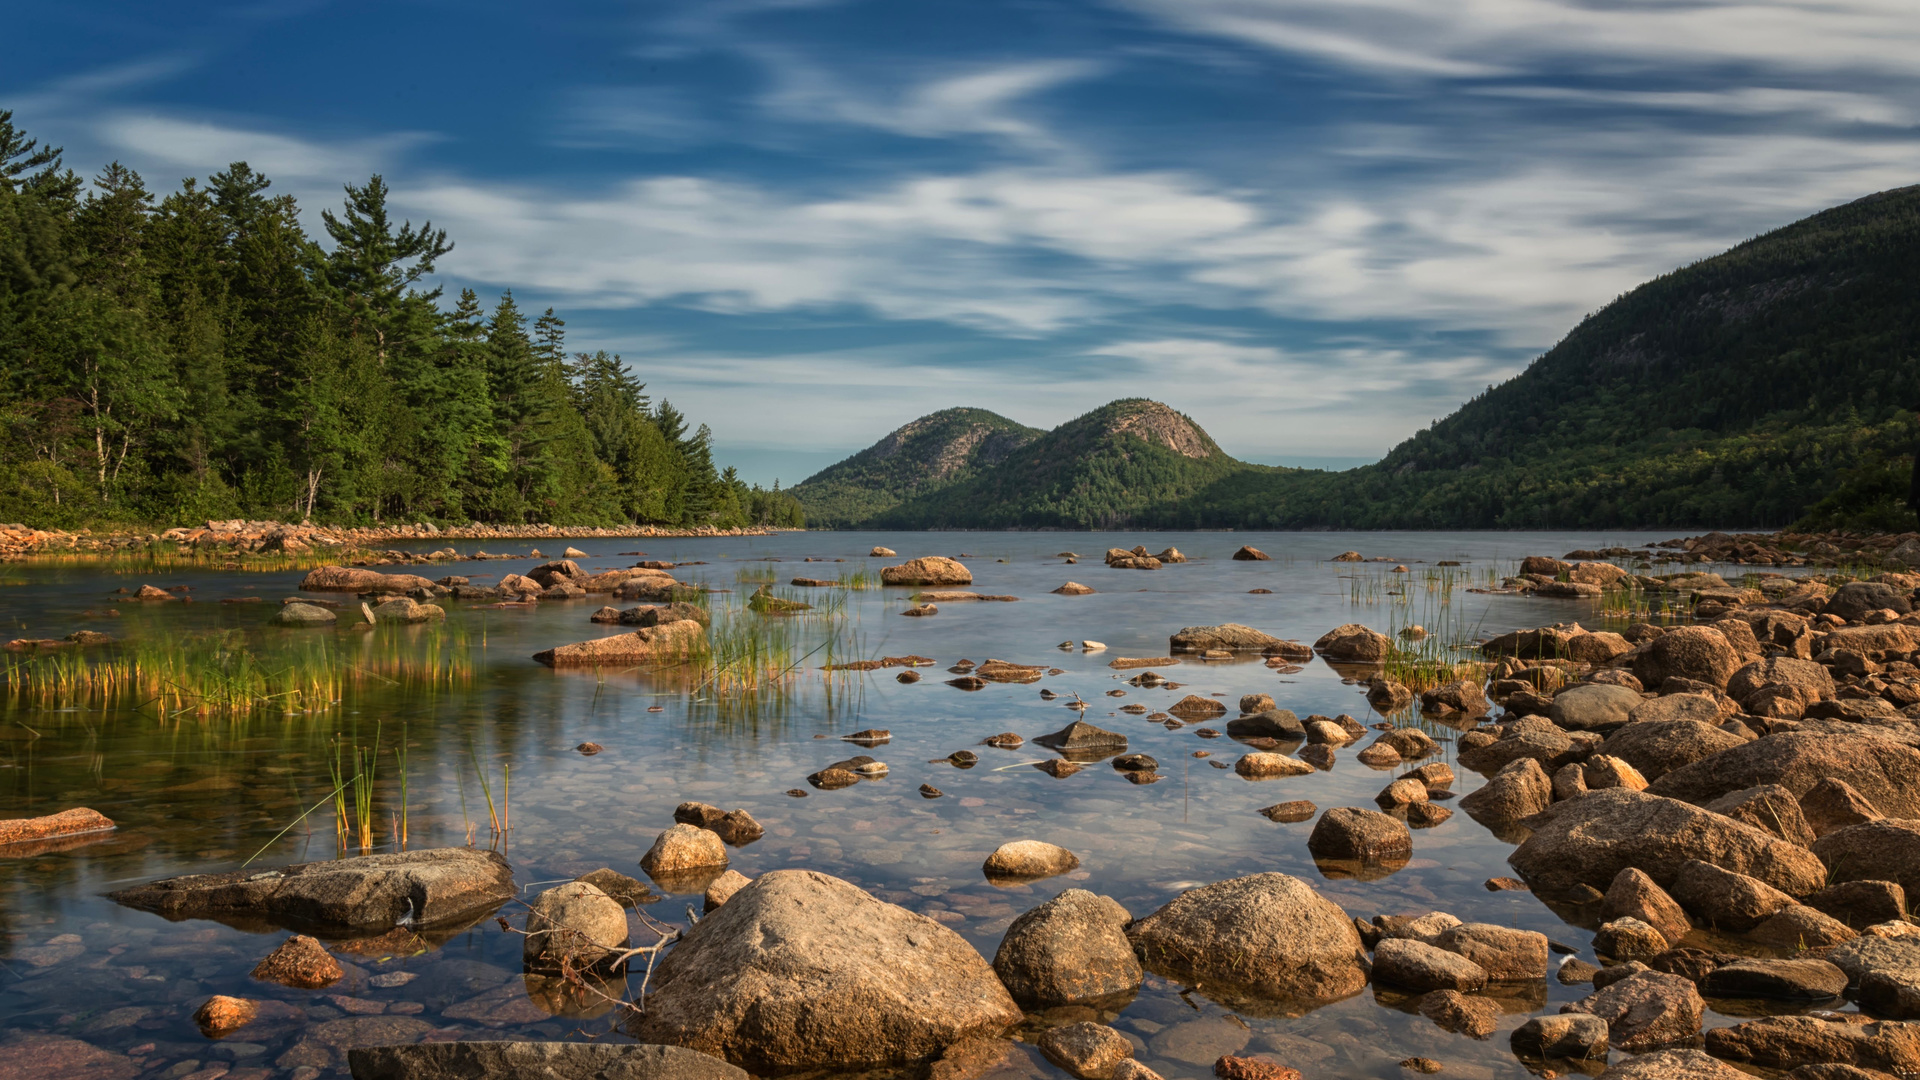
(1772, 384)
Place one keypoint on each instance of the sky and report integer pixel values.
(1314, 226)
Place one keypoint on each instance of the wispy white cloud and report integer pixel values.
(201, 143)
(982, 101)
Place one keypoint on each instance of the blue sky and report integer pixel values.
(1313, 226)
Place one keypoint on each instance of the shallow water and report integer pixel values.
(198, 795)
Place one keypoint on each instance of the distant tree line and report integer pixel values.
(198, 355)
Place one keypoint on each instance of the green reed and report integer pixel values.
(165, 555)
(756, 575)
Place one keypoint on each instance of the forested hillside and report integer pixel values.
(171, 357)
(924, 457)
(1771, 384)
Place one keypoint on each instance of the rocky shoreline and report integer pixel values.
(239, 538)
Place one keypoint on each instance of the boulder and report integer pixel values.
(1605, 771)
(1419, 966)
(1505, 954)
(1883, 850)
(303, 615)
(1853, 600)
(1082, 737)
(438, 886)
(1798, 927)
(1580, 1036)
(1602, 647)
(220, 1015)
(78, 821)
(1833, 804)
(722, 889)
(1628, 939)
(1861, 904)
(879, 552)
(300, 962)
(1780, 687)
(1808, 979)
(929, 570)
(1633, 894)
(1268, 935)
(1786, 1042)
(1519, 790)
(1250, 554)
(403, 609)
(1699, 653)
(666, 642)
(1074, 588)
(1268, 724)
(1646, 1010)
(1023, 860)
(1474, 1017)
(356, 579)
(1194, 707)
(1534, 738)
(802, 971)
(572, 927)
(1354, 643)
(1230, 636)
(1877, 643)
(1085, 1049)
(1658, 747)
(1724, 899)
(503, 1060)
(1673, 1065)
(1884, 771)
(1593, 707)
(1768, 806)
(1700, 707)
(1070, 950)
(682, 851)
(1352, 833)
(1589, 840)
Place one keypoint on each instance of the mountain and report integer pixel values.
(924, 457)
(1128, 464)
(1765, 385)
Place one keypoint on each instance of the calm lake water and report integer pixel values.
(200, 795)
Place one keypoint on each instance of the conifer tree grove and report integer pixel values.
(167, 358)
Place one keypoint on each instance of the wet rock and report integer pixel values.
(1519, 790)
(1591, 839)
(1250, 554)
(572, 927)
(1086, 1050)
(1267, 724)
(803, 971)
(1387, 696)
(921, 611)
(1419, 966)
(1861, 904)
(78, 821)
(1232, 637)
(1230, 1067)
(1069, 950)
(1409, 743)
(1425, 928)
(1613, 973)
(301, 962)
(557, 1060)
(1255, 703)
(38, 1056)
(1769, 807)
(929, 570)
(1885, 772)
(1268, 935)
(881, 553)
(1297, 810)
(722, 889)
(1348, 832)
(1833, 804)
(1027, 859)
(1355, 643)
(403, 609)
(1194, 707)
(1787, 1042)
(588, 749)
(683, 849)
(1379, 756)
(1628, 938)
(360, 580)
(1800, 927)
(928, 791)
(1266, 766)
(1401, 793)
(1579, 1036)
(303, 615)
(629, 892)
(1533, 738)
(664, 642)
(832, 779)
(1808, 979)
(1673, 1065)
(439, 886)
(1658, 747)
(1081, 736)
(1593, 707)
(1459, 695)
(1135, 763)
(1646, 1010)
(1427, 815)
(1451, 1010)
(1633, 894)
(220, 1016)
(1058, 768)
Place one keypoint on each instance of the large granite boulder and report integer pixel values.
(801, 971)
(930, 570)
(1854, 599)
(665, 642)
(1354, 643)
(1780, 687)
(1883, 850)
(1589, 840)
(1069, 950)
(1885, 771)
(1658, 747)
(1593, 707)
(1266, 936)
(1232, 637)
(356, 579)
(1699, 653)
(1788, 1042)
(439, 886)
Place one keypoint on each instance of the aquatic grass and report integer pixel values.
(756, 575)
(234, 673)
(165, 555)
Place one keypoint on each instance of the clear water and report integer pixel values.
(194, 795)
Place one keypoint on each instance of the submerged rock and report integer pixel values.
(301, 962)
(439, 886)
(502, 1060)
(1087, 1050)
(803, 971)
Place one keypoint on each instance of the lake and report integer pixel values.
(199, 794)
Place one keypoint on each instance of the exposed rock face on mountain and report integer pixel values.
(922, 457)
